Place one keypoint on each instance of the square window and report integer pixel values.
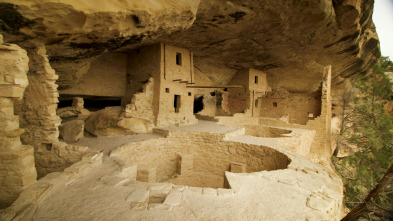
(274, 104)
(256, 79)
(178, 58)
(189, 93)
(167, 90)
(213, 94)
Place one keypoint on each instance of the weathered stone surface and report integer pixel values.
(17, 168)
(277, 37)
(72, 131)
(104, 122)
(135, 125)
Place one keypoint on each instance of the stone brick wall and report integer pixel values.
(39, 119)
(141, 105)
(242, 100)
(212, 156)
(296, 106)
(172, 69)
(17, 168)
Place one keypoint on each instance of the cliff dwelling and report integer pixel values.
(180, 111)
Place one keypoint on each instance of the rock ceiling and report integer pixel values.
(291, 40)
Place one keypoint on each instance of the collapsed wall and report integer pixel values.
(39, 119)
(17, 168)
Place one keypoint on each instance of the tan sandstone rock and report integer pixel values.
(72, 131)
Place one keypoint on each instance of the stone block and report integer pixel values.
(224, 192)
(146, 174)
(129, 171)
(237, 167)
(138, 198)
(72, 131)
(78, 103)
(173, 198)
(196, 189)
(114, 180)
(185, 164)
(209, 191)
(158, 193)
(158, 206)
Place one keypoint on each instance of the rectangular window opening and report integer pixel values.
(256, 103)
(274, 104)
(176, 103)
(256, 79)
(166, 90)
(189, 94)
(178, 58)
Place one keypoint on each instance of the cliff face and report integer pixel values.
(290, 40)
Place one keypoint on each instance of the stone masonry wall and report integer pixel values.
(321, 148)
(17, 168)
(39, 119)
(211, 156)
(141, 105)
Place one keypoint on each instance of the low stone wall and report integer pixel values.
(263, 131)
(211, 157)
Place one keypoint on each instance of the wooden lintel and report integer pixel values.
(221, 86)
(184, 82)
(177, 80)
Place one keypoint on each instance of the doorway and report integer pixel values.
(176, 103)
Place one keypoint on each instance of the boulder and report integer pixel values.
(72, 131)
(134, 125)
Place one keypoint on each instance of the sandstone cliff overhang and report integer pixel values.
(290, 40)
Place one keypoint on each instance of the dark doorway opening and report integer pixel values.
(198, 104)
(92, 103)
(176, 103)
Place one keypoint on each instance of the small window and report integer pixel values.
(256, 79)
(167, 90)
(48, 146)
(274, 104)
(310, 115)
(213, 94)
(178, 58)
(256, 103)
(189, 94)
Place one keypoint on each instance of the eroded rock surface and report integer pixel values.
(290, 40)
